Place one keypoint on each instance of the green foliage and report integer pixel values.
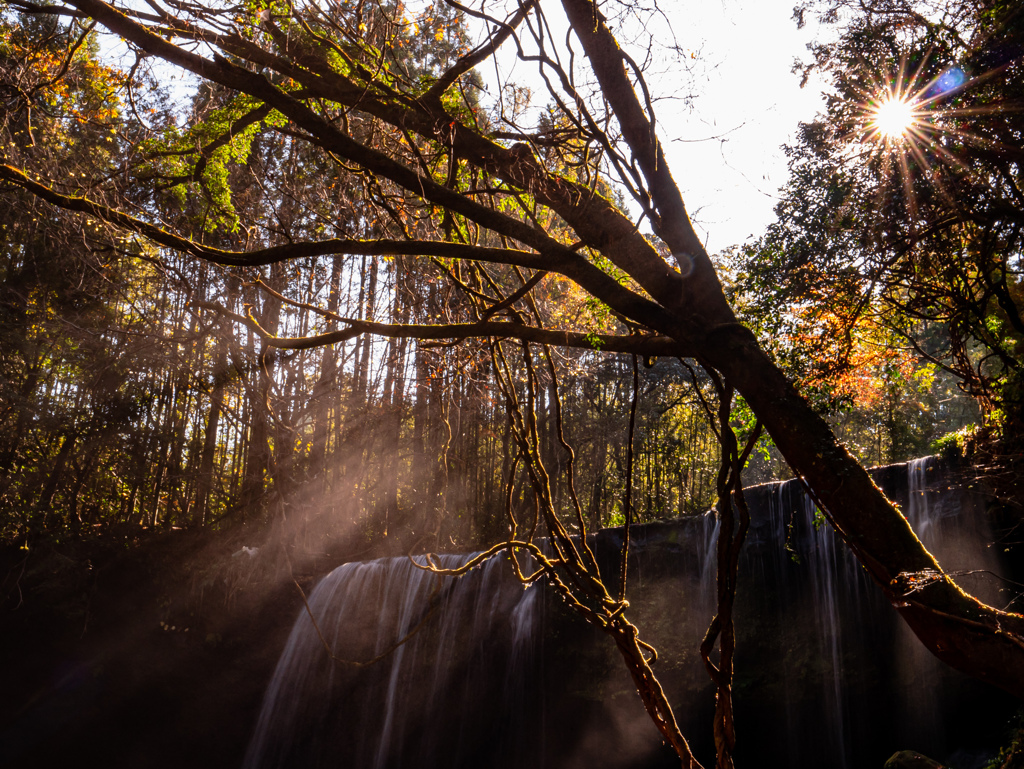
(1011, 755)
(196, 162)
(953, 446)
(743, 422)
(905, 243)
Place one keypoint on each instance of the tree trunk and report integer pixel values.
(956, 627)
(960, 630)
(44, 505)
(205, 481)
(259, 457)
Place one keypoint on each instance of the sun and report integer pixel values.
(912, 126)
(893, 117)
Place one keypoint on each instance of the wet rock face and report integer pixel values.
(825, 673)
(113, 670)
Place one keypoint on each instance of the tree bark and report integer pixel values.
(204, 485)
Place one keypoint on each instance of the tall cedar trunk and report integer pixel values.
(352, 431)
(151, 512)
(393, 400)
(259, 457)
(204, 484)
(324, 392)
(420, 433)
(221, 375)
(369, 422)
(370, 277)
(21, 427)
(44, 503)
(362, 343)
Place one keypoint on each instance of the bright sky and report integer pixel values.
(749, 98)
(723, 121)
(753, 101)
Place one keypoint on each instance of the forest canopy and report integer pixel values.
(340, 282)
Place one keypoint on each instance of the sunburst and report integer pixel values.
(914, 125)
(893, 117)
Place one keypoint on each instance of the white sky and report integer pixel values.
(724, 144)
(752, 100)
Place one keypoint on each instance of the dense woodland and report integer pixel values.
(130, 400)
(291, 263)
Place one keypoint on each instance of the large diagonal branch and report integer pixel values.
(956, 627)
(596, 219)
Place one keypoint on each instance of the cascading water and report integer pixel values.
(494, 675)
(961, 540)
(814, 626)
(398, 667)
(956, 533)
(848, 674)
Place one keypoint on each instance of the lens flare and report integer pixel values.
(948, 81)
(915, 126)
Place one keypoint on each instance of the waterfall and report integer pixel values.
(492, 674)
(959, 536)
(954, 529)
(453, 658)
(814, 625)
(848, 674)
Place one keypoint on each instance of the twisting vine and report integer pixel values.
(732, 533)
(565, 559)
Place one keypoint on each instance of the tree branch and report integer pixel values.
(638, 344)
